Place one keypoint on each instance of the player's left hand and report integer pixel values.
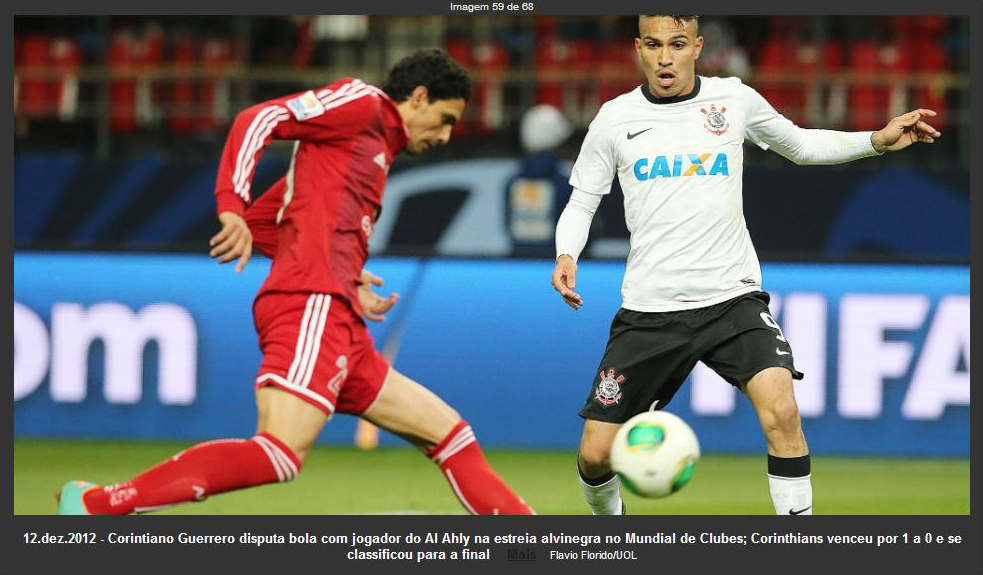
(904, 131)
(373, 305)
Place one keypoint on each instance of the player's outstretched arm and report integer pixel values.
(565, 279)
(904, 131)
(769, 129)
(373, 305)
(233, 242)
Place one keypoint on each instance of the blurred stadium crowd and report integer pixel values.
(135, 88)
(188, 76)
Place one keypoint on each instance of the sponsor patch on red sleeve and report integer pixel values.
(305, 106)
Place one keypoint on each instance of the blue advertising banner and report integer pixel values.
(163, 346)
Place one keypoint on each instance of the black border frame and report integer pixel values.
(17, 557)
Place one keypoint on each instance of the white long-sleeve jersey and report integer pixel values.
(680, 163)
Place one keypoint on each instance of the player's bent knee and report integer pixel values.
(294, 423)
(595, 447)
(435, 432)
(413, 412)
(595, 456)
(298, 449)
(441, 422)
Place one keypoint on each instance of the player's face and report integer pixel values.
(668, 52)
(431, 122)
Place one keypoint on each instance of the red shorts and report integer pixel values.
(315, 347)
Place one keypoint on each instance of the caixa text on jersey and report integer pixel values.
(682, 165)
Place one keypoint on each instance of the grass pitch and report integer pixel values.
(341, 480)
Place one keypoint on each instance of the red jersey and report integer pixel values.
(314, 222)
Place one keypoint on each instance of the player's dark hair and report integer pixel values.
(679, 19)
(444, 78)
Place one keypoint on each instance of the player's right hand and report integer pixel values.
(565, 279)
(233, 242)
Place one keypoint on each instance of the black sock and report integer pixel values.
(789, 466)
(595, 481)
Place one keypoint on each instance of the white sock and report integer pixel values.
(790, 484)
(791, 495)
(603, 499)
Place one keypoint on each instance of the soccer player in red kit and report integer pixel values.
(318, 356)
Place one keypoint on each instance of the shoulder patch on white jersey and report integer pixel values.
(305, 106)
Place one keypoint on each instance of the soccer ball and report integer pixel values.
(654, 454)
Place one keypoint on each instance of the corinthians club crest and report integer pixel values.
(716, 122)
(608, 391)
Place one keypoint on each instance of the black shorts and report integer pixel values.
(649, 355)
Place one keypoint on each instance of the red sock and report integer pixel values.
(206, 469)
(477, 486)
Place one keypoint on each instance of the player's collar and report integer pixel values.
(398, 132)
(671, 99)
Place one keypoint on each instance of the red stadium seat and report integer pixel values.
(868, 99)
(215, 91)
(773, 63)
(183, 117)
(783, 62)
(122, 89)
(17, 71)
(923, 55)
(835, 106)
(902, 27)
(460, 50)
(551, 54)
(619, 72)
(930, 61)
(148, 57)
(36, 95)
(490, 59)
(304, 51)
(803, 95)
(556, 57)
(832, 60)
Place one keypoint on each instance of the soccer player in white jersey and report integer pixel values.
(692, 288)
